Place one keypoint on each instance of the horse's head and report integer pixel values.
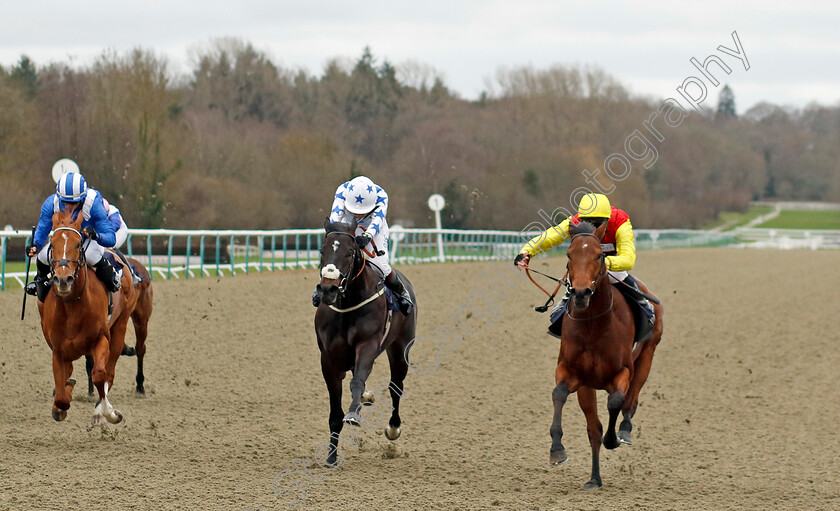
(66, 253)
(586, 261)
(340, 259)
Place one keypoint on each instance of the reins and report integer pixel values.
(550, 301)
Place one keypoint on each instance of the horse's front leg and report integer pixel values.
(365, 355)
(103, 411)
(558, 452)
(617, 396)
(333, 377)
(63, 387)
(589, 404)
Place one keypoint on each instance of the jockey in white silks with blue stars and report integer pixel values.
(361, 199)
(73, 194)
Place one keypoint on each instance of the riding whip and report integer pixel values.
(26, 281)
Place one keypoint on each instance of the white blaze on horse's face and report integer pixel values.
(330, 272)
(336, 243)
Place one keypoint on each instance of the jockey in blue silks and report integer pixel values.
(72, 193)
(361, 199)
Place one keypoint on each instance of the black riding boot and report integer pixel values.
(108, 275)
(395, 284)
(40, 285)
(646, 306)
(557, 315)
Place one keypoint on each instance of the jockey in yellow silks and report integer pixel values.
(618, 244)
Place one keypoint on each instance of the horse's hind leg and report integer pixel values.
(641, 370)
(141, 330)
(589, 405)
(89, 371)
(399, 369)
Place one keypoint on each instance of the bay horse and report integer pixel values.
(352, 328)
(597, 349)
(74, 318)
(140, 318)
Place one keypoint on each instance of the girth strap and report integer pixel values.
(362, 304)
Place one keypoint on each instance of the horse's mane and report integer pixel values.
(582, 227)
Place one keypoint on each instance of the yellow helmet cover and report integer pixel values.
(594, 205)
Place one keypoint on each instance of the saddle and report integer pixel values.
(641, 316)
(111, 253)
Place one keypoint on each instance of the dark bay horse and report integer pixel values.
(352, 327)
(74, 318)
(596, 349)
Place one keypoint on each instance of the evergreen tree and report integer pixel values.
(726, 104)
(25, 75)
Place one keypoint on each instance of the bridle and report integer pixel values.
(342, 281)
(601, 274)
(64, 262)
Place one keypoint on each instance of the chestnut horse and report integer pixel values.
(352, 327)
(74, 318)
(597, 350)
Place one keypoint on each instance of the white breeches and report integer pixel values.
(122, 234)
(616, 276)
(93, 253)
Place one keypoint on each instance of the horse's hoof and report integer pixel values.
(592, 484)
(392, 433)
(128, 351)
(118, 417)
(611, 442)
(624, 437)
(352, 419)
(59, 415)
(331, 460)
(558, 458)
(368, 398)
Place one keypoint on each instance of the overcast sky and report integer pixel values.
(793, 48)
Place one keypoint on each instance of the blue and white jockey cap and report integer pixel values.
(72, 187)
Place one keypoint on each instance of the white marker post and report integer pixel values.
(436, 204)
(63, 166)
